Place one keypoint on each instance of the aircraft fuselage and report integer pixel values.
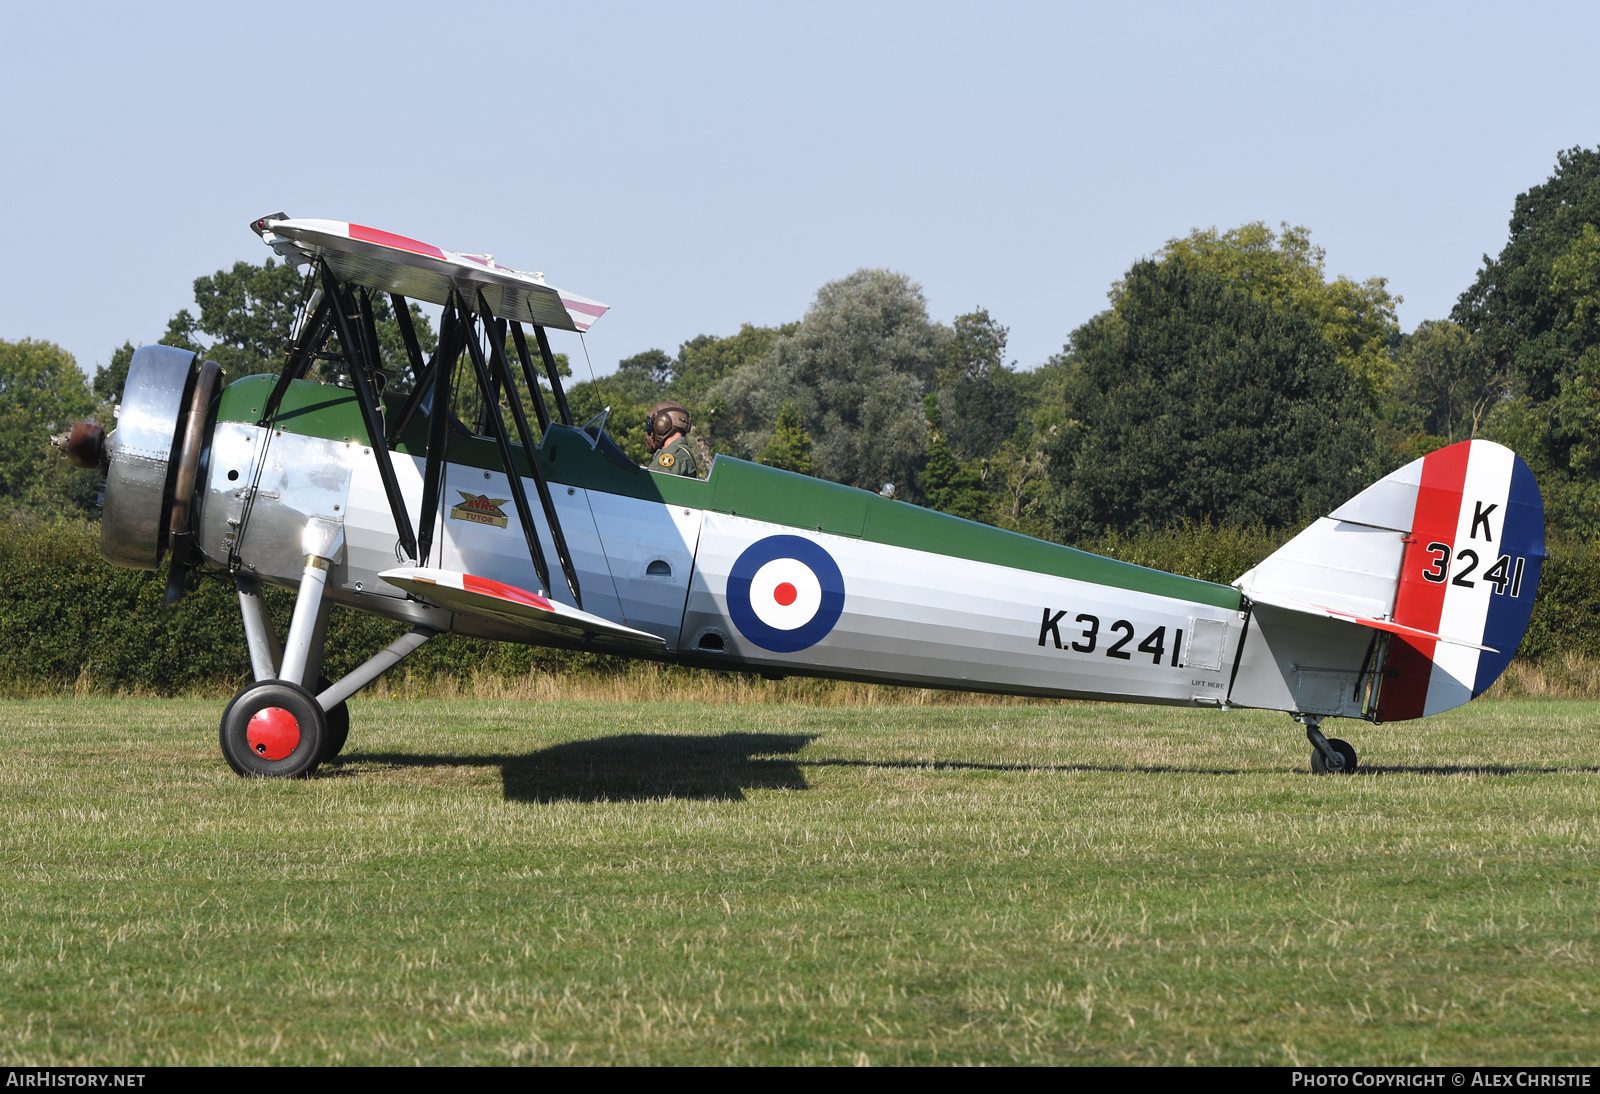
(878, 590)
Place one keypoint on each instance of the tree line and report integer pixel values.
(1230, 380)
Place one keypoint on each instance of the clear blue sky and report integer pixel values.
(700, 165)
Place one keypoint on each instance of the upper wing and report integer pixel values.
(489, 599)
(421, 271)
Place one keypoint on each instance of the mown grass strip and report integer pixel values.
(497, 881)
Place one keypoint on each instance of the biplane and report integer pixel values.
(1407, 600)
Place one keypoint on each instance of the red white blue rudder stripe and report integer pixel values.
(1470, 571)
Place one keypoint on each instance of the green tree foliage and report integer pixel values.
(1575, 278)
(392, 344)
(1532, 312)
(706, 360)
(42, 392)
(1018, 488)
(978, 401)
(181, 331)
(1517, 307)
(638, 382)
(248, 313)
(644, 376)
(790, 444)
(1448, 384)
(1566, 614)
(1199, 549)
(468, 401)
(846, 392)
(1195, 400)
(109, 378)
(950, 485)
(649, 377)
(628, 406)
(1357, 318)
(69, 621)
(1015, 474)
(563, 369)
(857, 369)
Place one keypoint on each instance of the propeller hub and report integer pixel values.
(84, 445)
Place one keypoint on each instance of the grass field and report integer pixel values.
(484, 881)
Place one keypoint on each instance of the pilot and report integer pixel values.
(665, 434)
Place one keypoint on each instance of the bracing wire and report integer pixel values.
(585, 343)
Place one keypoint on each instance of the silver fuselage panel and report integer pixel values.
(909, 617)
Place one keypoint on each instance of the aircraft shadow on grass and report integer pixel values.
(642, 766)
(1173, 769)
(647, 766)
(632, 767)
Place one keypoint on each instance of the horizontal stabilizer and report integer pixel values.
(1366, 621)
(489, 599)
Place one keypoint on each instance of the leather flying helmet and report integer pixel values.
(665, 419)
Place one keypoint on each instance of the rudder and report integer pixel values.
(1471, 570)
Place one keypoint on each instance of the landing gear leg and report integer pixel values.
(275, 727)
(266, 655)
(260, 635)
(278, 726)
(302, 650)
(331, 697)
(333, 741)
(1329, 756)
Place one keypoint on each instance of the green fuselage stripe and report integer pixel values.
(734, 486)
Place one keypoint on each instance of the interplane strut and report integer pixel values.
(346, 311)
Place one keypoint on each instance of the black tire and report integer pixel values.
(277, 749)
(1343, 748)
(338, 720)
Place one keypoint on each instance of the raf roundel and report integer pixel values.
(785, 593)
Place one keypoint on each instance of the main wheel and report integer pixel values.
(338, 720)
(1343, 748)
(273, 729)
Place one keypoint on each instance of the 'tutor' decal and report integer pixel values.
(479, 509)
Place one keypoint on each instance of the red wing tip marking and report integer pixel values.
(502, 591)
(436, 585)
(470, 583)
(398, 242)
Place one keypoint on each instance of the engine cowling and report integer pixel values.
(152, 454)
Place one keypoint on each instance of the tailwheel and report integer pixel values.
(1320, 766)
(274, 729)
(338, 720)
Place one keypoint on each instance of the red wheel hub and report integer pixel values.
(273, 733)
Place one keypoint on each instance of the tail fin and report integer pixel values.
(1444, 554)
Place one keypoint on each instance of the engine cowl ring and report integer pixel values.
(141, 453)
